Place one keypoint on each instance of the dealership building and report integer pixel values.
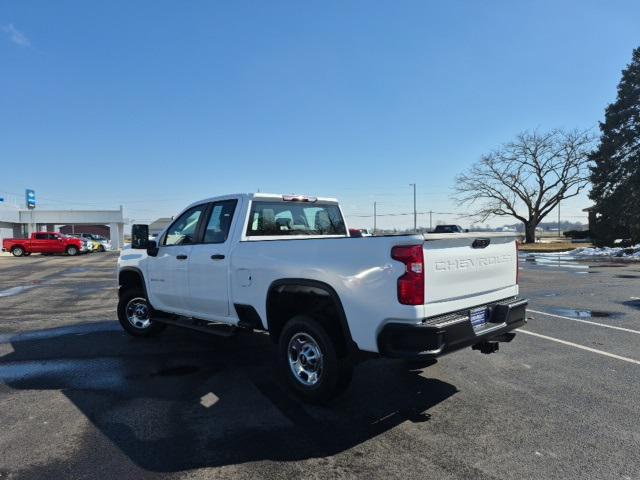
(20, 222)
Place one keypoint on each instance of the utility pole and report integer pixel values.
(375, 213)
(430, 220)
(415, 213)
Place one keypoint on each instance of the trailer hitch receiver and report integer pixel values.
(486, 347)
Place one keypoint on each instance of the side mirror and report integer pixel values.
(152, 248)
(139, 236)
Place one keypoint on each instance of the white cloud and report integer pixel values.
(16, 36)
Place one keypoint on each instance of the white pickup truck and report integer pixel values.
(287, 265)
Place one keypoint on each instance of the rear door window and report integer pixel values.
(219, 222)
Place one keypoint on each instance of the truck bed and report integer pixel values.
(364, 275)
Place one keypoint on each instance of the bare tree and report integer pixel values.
(527, 177)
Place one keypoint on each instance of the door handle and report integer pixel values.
(181, 257)
(217, 256)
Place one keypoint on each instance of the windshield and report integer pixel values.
(295, 218)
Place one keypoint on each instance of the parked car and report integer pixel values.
(89, 244)
(85, 246)
(359, 232)
(449, 229)
(286, 265)
(45, 243)
(103, 244)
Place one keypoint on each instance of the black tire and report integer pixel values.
(72, 251)
(334, 374)
(26, 254)
(127, 298)
(17, 251)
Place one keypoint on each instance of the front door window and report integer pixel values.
(184, 230)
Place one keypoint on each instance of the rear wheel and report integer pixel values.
(17, 251)
(134, 314)
(72, 251)
(309, 361)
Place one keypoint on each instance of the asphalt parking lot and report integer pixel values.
(80, 399)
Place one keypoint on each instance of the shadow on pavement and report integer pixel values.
(183, 401)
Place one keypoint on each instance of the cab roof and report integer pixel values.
(274, 197)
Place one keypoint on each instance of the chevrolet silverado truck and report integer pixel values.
(46, 243)
(286, 265)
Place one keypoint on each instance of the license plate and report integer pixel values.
(478, 318)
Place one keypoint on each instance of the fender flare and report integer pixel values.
(139, 273)
(335, 298)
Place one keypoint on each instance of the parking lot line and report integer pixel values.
(582, 347)
(622, 329)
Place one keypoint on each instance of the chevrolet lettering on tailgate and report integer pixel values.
(471, 263)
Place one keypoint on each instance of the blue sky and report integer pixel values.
(155, 104)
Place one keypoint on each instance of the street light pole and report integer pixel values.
(415, 213)
(374, 217)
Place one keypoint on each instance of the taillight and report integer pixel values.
(411, 283)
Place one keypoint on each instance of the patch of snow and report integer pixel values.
(15, 290)
(628, 252)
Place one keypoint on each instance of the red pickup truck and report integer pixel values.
(42, 242)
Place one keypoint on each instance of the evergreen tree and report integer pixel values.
(615, 174)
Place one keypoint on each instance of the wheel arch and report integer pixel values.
(131, 277)
(278, 313)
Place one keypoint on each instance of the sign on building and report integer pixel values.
(30, 198)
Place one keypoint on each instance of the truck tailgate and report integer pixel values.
(458, 266)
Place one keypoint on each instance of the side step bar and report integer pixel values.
(215, 328)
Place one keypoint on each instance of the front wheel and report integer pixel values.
(72, 251)
(309, 361)
(134, 314)
(17, 251)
